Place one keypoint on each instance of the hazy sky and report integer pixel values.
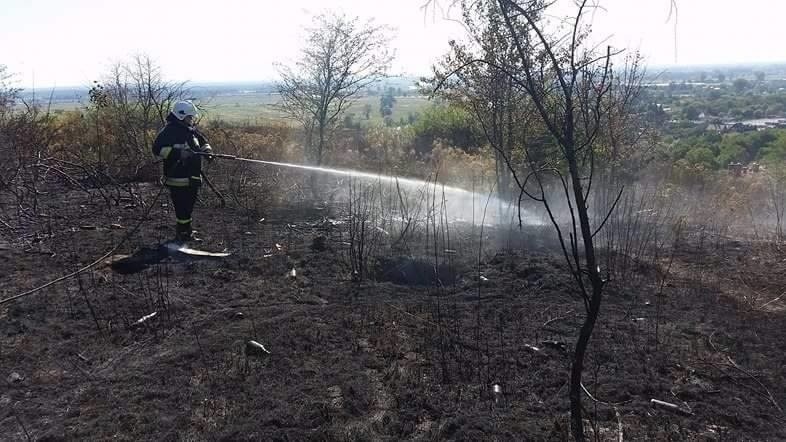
(72, 42)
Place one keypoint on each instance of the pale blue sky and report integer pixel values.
(72, 42)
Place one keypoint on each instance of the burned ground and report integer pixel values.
(480, 352)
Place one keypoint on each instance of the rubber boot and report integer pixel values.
(184, 233)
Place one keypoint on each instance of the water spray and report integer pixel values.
(353, 173)
(461, 194)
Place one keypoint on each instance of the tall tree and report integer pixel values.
(484, 90)
(571, 92)
(386, 103)
(341, 57)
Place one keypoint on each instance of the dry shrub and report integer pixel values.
(729, 205)
(346, 150)
(99, 147)
(471, 171)
(390, 150)
(379, 149)
(269, 142)
(637, 233)
(251, 186)
(25, 138)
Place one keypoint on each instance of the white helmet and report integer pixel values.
(182, 109)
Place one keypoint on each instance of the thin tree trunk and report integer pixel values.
(594, 305)
(577, 367)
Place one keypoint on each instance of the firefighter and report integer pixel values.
(177, 144)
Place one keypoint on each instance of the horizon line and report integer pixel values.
(660, 66)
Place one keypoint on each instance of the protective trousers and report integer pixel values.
(184, 199)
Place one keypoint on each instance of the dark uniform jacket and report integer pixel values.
(169, 145)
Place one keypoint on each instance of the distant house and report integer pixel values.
(735, 169)
(717, 126)
(730, 127)
(741, 127)
(777, 124)
(738, 169)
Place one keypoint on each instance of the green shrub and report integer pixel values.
(453, 125)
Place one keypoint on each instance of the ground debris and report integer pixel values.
(670, 407)
(146, 318)
(254, 348)
(14, 378)
(327, 223)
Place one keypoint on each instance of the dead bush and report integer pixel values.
(253, 187)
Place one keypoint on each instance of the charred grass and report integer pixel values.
(484, 354)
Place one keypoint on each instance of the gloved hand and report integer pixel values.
(208, 150)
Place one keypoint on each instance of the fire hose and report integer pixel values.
(221, 156)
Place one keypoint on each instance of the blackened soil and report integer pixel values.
(413, 354)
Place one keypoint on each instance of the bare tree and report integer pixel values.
(8, 93)
(342, 56)
(153, 96)
(133, 100)
(571, 91)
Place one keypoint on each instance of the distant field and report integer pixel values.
(255, 108)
